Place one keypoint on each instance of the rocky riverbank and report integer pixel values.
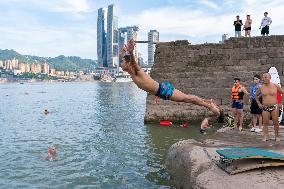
(191, 163)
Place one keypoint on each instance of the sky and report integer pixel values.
(68, 27)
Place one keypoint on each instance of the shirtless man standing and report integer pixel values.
(269, 105)
(165, 90)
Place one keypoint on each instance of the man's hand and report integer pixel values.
(260, 106)
(131, 45)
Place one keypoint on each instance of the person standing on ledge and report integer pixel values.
(265, 23)
(238, 92)
(165, 90)
(247, 26)
(238, 27)
(269, 105)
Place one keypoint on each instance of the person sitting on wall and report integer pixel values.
(164, 90)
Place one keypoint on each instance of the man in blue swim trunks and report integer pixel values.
(165, 90)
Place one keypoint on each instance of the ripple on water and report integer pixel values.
(99, 132)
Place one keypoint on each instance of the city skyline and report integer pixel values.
(68, 27)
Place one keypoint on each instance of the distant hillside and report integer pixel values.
(70, 63)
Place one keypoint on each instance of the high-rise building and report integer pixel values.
(112, 36)
(45, 69)
(153, 37)
(52, 71)
(22, 67)
(36, 68)
(1, 64)
(101, 37)
(140, 59)
(15, 63)
(28, 68)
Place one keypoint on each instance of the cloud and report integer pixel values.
(51, 28)
(210, 4)
(200, 22)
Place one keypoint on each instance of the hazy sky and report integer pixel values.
(68, 27)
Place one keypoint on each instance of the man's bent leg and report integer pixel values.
(274, 115)
(266, 118)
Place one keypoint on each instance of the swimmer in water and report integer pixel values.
(204, 125)
(51, 154)
(46, 111)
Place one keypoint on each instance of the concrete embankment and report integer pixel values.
(192, 164)
(207, 70)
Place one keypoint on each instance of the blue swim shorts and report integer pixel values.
(238, 105)
(165, 90)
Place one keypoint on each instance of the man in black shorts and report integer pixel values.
(247, 26)
(255, 110)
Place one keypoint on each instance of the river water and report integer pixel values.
(98, 129)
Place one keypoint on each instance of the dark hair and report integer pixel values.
(265, 12)
(257, 76)
(238, 16)
(248, 15)
(237, 79)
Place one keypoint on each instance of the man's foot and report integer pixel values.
(240, 129)
(252, 129)
(214, 108)
(277, 139)
(265, 139)
(258, 130)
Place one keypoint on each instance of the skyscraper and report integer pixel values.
(112, 36)
(101, 38)
(153, 37)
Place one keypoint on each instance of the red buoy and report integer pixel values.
(166, 123)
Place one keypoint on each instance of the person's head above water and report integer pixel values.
(52, 151)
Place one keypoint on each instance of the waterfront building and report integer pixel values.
(59, 73)
(1, 64)
(52, 72)
(22, 67)
(45, 69)
(28, 68)
(112, 37)
(8, 65)
(35, 68)
(111, 71)
(140, 59)
(101, 37)
(15, 63)
(153, 37)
